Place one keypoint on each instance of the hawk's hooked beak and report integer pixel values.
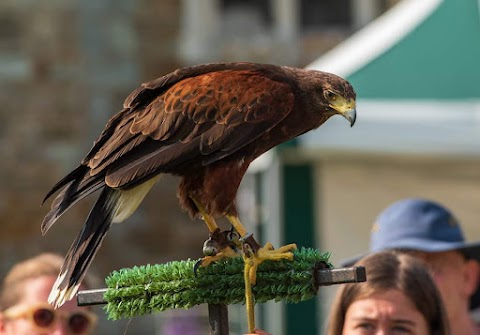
(350, 115)
(346, 109)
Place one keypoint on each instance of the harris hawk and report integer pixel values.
(204, 123)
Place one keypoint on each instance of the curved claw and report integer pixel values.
(197, 265)
(226, 252)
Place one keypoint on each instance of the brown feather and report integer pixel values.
(240, 120)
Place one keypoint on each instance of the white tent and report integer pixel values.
(416, 71)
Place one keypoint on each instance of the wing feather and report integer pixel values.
(200, 114)
(76, 185)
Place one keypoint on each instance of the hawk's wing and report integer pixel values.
(203, 118)
(192, 116)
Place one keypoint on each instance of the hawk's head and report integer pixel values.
(328, 93)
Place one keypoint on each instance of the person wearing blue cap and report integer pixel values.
(431, 232)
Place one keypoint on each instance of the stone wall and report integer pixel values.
(65, 68)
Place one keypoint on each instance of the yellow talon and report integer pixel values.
(226, 252)
(252, 261)
(253, 256)
(268, 253)
(219, 247)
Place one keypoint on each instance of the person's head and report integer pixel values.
(430, 231)
(399, 297)
(23, 301)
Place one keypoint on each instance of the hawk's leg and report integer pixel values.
(219, 245)
(208, 219)
(254, 255)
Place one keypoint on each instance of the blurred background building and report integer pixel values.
(66, 66)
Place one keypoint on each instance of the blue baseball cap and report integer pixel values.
(421, 225)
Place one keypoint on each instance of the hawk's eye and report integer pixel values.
(330, 95)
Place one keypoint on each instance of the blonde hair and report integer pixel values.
(392, 270)
(45, 264)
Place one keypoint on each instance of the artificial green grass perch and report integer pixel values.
(155, 288)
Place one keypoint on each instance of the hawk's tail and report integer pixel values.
(74, 187)
(84, 248)
(112, 206)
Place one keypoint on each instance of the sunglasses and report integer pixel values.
(44, 316)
